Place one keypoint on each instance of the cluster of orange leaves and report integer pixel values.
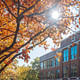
(29, 26)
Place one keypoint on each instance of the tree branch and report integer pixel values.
(8, 8)
(71, 16)
(49, 9)
(38, 43)
(20, 54)
(6, 36)
(68, 5)
(18, 23)
(16, 32)
(28, 9)
(23, 6)
(25, 43)
(7, 29)
(2, 56)
(9, 62)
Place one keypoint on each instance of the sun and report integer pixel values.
(55, 14)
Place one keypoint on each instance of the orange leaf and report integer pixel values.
(53, 49)
(5, 62)
(73, 44)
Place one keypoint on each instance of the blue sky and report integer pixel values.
(40, 51)
(37, 52)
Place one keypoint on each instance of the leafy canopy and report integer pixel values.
(27, 23)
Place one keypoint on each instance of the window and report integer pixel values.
(65, 71)
(52, 74)
(65, 55)
(73, 70)
(58, 73)
(74, 52)
(48, 63)
(44, 75)
(41, 65)
(45, 64)
(52, 62)
(48, 75)
(57, 61)
(79, 50)
(41, 76)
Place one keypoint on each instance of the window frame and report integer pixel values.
(45, 64)
(74, 52)
(65, 74)
(57, 74)
(53, 62)
(41, 65)
(57, 63)
(66, 57)
(73, 67)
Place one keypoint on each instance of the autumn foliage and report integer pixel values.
(27, 23)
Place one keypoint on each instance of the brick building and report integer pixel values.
(64, 63)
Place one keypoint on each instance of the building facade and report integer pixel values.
(64, 63)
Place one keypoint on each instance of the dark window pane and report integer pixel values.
(41, 75)
(48, 75)
(79, 50)
(57, 73)
(65, 71)
(73, 70)
(52, 74)
(48, 63)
